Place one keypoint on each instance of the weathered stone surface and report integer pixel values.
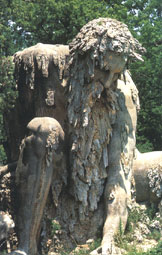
(147, 168)
(160, 209)
(96, 107)
(6, 224)
(39, 58)
(121, 153)
(41, 77)
(98, 55)
(39, 158)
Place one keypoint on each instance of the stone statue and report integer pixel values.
(39, 155)
(104, 123)
(88, 90)
(121, 154)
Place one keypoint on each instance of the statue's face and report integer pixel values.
(115, 65)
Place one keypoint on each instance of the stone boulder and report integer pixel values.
(6, 225)
(147, 170)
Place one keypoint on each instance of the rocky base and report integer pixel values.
(142, 233)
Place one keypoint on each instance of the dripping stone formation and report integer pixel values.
(75, 158)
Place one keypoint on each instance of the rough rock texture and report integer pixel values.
(6, 206)
(6, 224)
(95, 101)
(98, 55)
(41, 75)
(147, 168)
(40, 156)
(142, 232)
(160, 209)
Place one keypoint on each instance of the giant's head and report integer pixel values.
(106, 44)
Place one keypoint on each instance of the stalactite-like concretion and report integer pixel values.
(41, 76)
(38, 58)
(83, 90)
(98, 56)
(44, 68)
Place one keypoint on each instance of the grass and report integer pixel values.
(151, 211)
(82, 251)
(122, 240)
(155, 234)
(126, 241)
(130, 250)
(154, 251)
(55, 225)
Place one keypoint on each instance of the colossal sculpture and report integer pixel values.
(87, 89)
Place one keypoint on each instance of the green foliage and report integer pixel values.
(2, 155)
(4, 253)
(148, 76)
(53, 21)
(151, 211)
(7, 84)
(95, 244)
(134, 217)
(82, 251)
(24, 23)
(155, 235)
(119, 237)
(55, 226)
(126, 240)
(122, 239)
(5, 29)
(8, 96)
(154, 251)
